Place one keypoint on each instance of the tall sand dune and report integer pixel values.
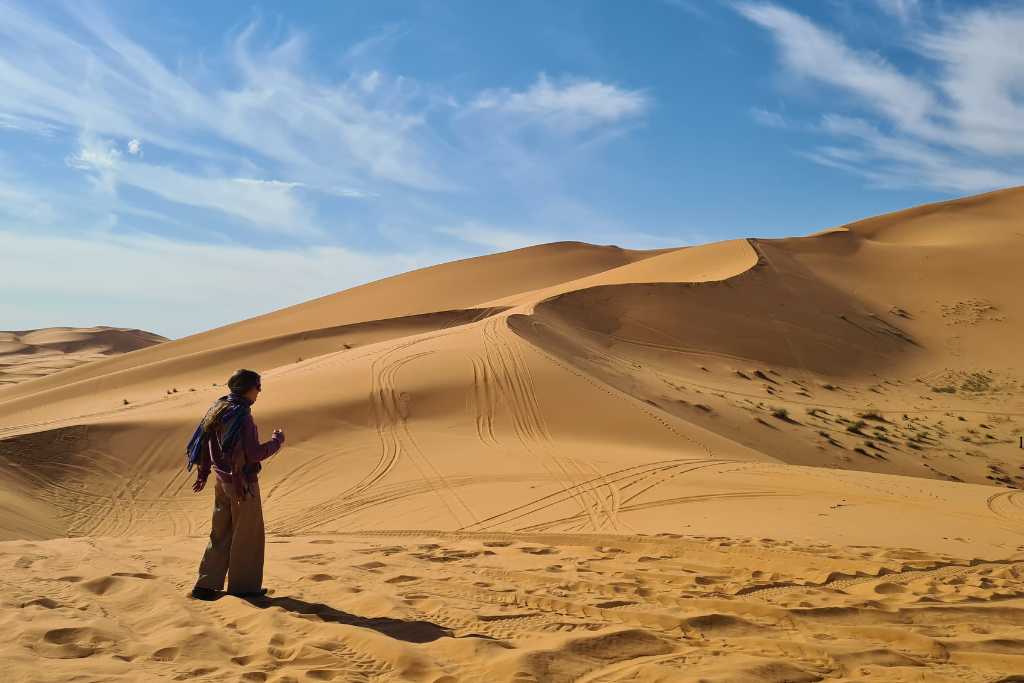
(31, 354)
(756, 460)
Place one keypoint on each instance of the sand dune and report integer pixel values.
(756, 460)
(31, 354)
(514, 607)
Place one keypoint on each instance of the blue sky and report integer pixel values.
(178, 166)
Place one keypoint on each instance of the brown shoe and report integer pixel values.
(205, 593)
(251, 594)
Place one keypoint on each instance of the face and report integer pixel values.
(253, 393)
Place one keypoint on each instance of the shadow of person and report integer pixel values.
(400, 629)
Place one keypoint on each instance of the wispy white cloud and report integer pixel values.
(961, 130)
(102, 81)
(265, 139)
(27, 125)
(569, 104)
(981, 56)
(769, 119)
(904, 10)
(812, 52)
(99, 158)
(24, 207)
(269, 113)
(494, 238)
(95, 155)
(270, 205)
(896, 162)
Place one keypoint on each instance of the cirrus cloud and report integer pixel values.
(571, 104)
(957, 128)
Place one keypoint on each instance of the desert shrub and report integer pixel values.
(977, 382)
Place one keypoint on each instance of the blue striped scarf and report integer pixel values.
(228, 411)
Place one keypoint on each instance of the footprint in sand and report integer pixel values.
(889, 588)
(708, 580)
(648, 558)
(385, 551)
(370, 566)
(135, 575)
(402, 578)
(415, 597)
(165, 654)
(26, 561)
(612, 604)
(76, 642)
(45, 603)
(534, 550)
(446, 555)
(310, 559)
(103, 585)
(609, 550)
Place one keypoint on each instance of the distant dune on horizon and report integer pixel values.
(30, 354)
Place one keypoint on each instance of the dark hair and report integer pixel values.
(243, 380)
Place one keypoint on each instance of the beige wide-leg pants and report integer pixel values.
(236, 543)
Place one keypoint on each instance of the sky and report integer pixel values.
(179, 166)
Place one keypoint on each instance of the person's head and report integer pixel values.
(245, 383)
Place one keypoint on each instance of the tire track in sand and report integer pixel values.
(484, 402)
(396, 442)
(396, 410)
(622, 479)
(1007, 505)
(513, 381)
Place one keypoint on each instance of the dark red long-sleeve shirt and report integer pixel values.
(247, 447)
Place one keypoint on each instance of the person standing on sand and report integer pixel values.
(227, 442)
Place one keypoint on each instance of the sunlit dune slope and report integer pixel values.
(421, 300)
(742, 385)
